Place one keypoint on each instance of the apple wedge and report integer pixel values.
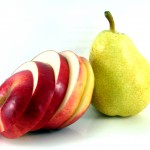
(76, 86)
(86, 97)
(15, 91)
(43, 90)
(61, 71)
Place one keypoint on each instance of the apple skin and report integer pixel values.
(73, 101)
(38, 104)
(86, 96)
(61, 78)
(15, 95)
(47, 104)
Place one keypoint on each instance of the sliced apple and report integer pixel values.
(15, 95)
(44, 85)
(61, 71)
(86, 97)
(76, 85)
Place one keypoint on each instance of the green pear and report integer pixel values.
(122, 74)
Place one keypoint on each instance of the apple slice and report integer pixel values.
(86, 97)
(44, 85)
(61, 71)
(76, 85)
(15, 95)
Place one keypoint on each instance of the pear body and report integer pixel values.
(122, 75)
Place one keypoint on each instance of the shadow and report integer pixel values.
(91, 125)
(94, 123)
(45, 138)
(92, 113)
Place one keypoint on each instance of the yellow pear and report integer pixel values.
(122, 74)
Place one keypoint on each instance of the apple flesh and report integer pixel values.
(42, 93)
(61, 72)
(76, 85)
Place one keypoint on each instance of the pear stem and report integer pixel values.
(109, 17)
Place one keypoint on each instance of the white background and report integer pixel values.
(28, 27)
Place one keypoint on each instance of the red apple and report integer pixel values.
(52, 91)
(76, 85)
(42, 93)
(61, 71)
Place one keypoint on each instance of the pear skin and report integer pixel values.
(122, 74)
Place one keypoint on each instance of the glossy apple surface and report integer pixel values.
(15, 95)
(43, 90)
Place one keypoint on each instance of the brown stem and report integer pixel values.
(109, 17)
